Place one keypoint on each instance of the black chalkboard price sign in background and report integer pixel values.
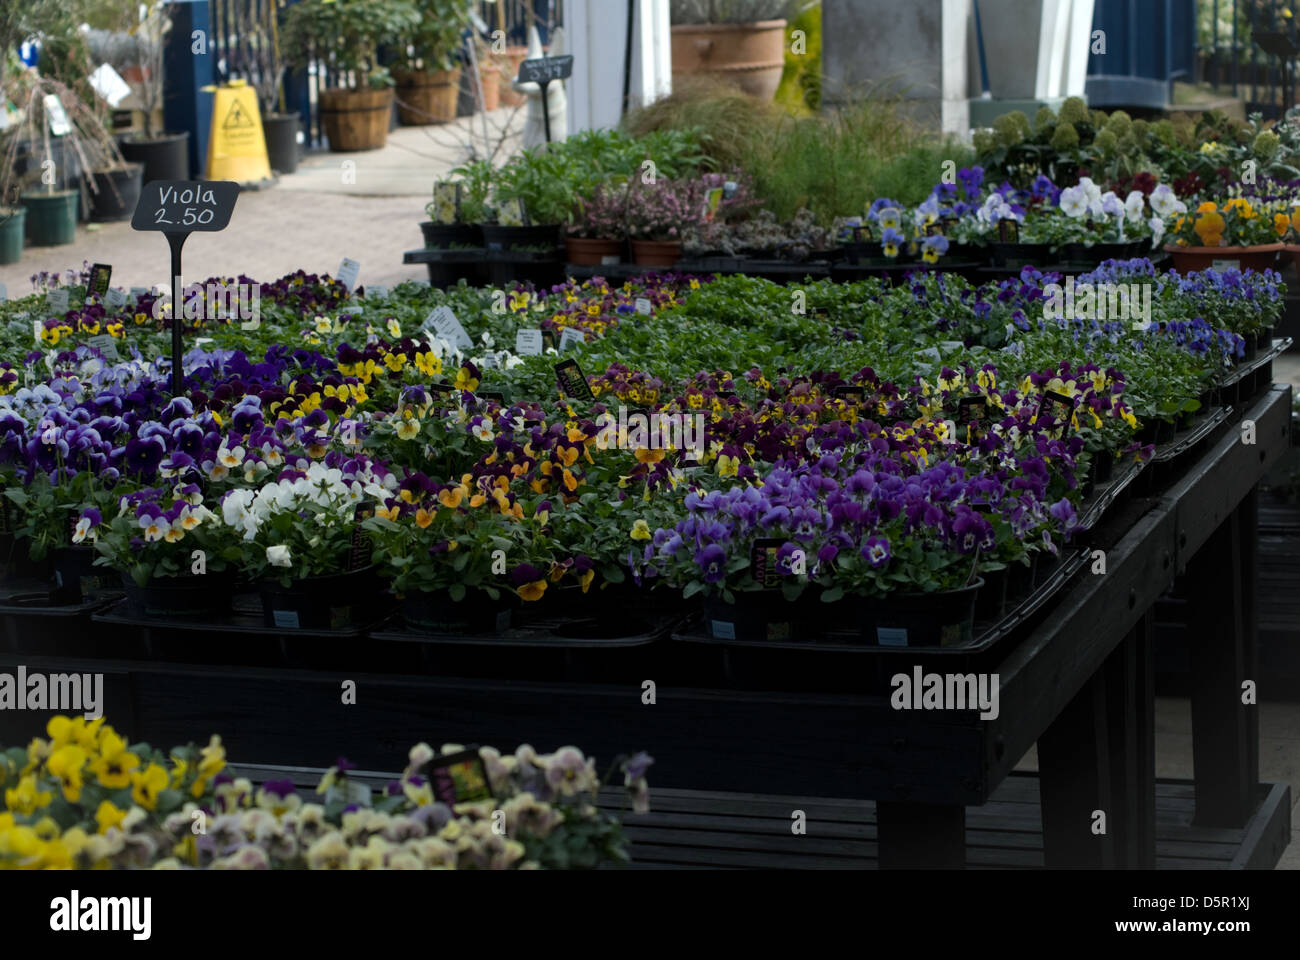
(178, 208)
(542, 71)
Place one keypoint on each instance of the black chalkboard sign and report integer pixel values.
(546, 69)
(185, 206)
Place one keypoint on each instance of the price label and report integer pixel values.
(348, 272)
(643, 305)
(115, 298)
(546, 69)
(444, 323)
(105, 344)
(57, 300)
(185, 206)
(528, 343)
(571, 337)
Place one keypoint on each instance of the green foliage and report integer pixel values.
(801, 81)
(435, 36)
(347, 33)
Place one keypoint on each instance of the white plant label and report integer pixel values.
(610, 260)
(138, 292)
(349, 270)
(115, 297)
(4, 293)
(376, 291)
(37, 327)
(109, 85)
(1221, 265)
(643, 305)
(59, 125)
(571, 337)
(57, 300)
(446, 325)
(105, 344)
(528, 343)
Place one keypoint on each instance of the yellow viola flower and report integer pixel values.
(641, 530)
(395, 361)
(109, 816)
(465, 380)
(26, 798)
(532, 591)
(112, 768)
(423, 518)
(394, 328)
(428, 363)
(728, 466)
(147, 784)
(408, 429)
(66, 764)
(648, 455)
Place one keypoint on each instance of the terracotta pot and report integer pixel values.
(508, 69)
(752, 55)
(1189, 259)
(491, 81)
(656, 253)
(589, 252)
(427, 96)
(356, 119)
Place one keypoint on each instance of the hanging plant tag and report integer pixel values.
(571, 337)
(57, 300)
(528, 343)
(459, 778)
(572, 381)
(763, 562)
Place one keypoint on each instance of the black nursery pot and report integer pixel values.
(941, 619)
(759, 616)
(334, 602)
(281, 130)
(116, 194)
(76, 577)
(440, 236)
(164, 158)
(436, 612)
(991, 601)
(188, 597)
(1021, 254)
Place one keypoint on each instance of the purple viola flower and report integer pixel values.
(712, 560)
(876, 551)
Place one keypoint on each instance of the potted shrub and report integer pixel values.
(346, 35)
(257, 27)
(532, 198)
(658, 215)
(599, 234)
(164, 155)
(1238, 235)
(742, 41)
(427, 87)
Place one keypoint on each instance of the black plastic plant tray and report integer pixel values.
(850, 666)
(1106, 496)
(1247, 380)
(555, 256)
(1185, 440)
(35, 623)
(556, 648)
(468, 255)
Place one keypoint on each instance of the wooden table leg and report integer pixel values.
(1074, 782)
(1130, 695)
(920, 836)
(1225, 737)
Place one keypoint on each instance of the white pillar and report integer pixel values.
(596, 35)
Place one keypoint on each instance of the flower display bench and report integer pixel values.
(1079, 685)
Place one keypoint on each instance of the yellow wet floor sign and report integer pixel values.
(237, 147)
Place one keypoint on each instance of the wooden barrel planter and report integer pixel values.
(356, 119)
(751, 55)
(427, 96)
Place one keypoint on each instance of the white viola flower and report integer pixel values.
(83, 531)
(186, 520)
(1157, 225)
(1135, 206)
(1090, 189)
(234, 508)
(230, 459)
(1074, 203)
(1111, 204)
(483, 431)
(278, 556)
(155, 528)
(1165, 202)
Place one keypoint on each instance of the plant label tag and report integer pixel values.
(891, 636)
(854, 396)
(528, 343)
(644, 306)
(115, 297)
(571, 337)
(362, 545)
(722, 629)
(57, 300)
(4, 293)
(185, 206)
(37, 329)
(100, 274)
(1222, 266)
(446, 202)
(358, 793)
(1008, 231)
(137, 293)
(200, 341)
(348, 272)
(108, 83)
(494, 395)
(105, 344)
(712, 200)
(459, 778)
(610, 260)
(285, 618)
(444, 323)
(763, 562)
(58, 117)
(376, 291)
(572, 381)
(971, 414)
(1059, 409)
